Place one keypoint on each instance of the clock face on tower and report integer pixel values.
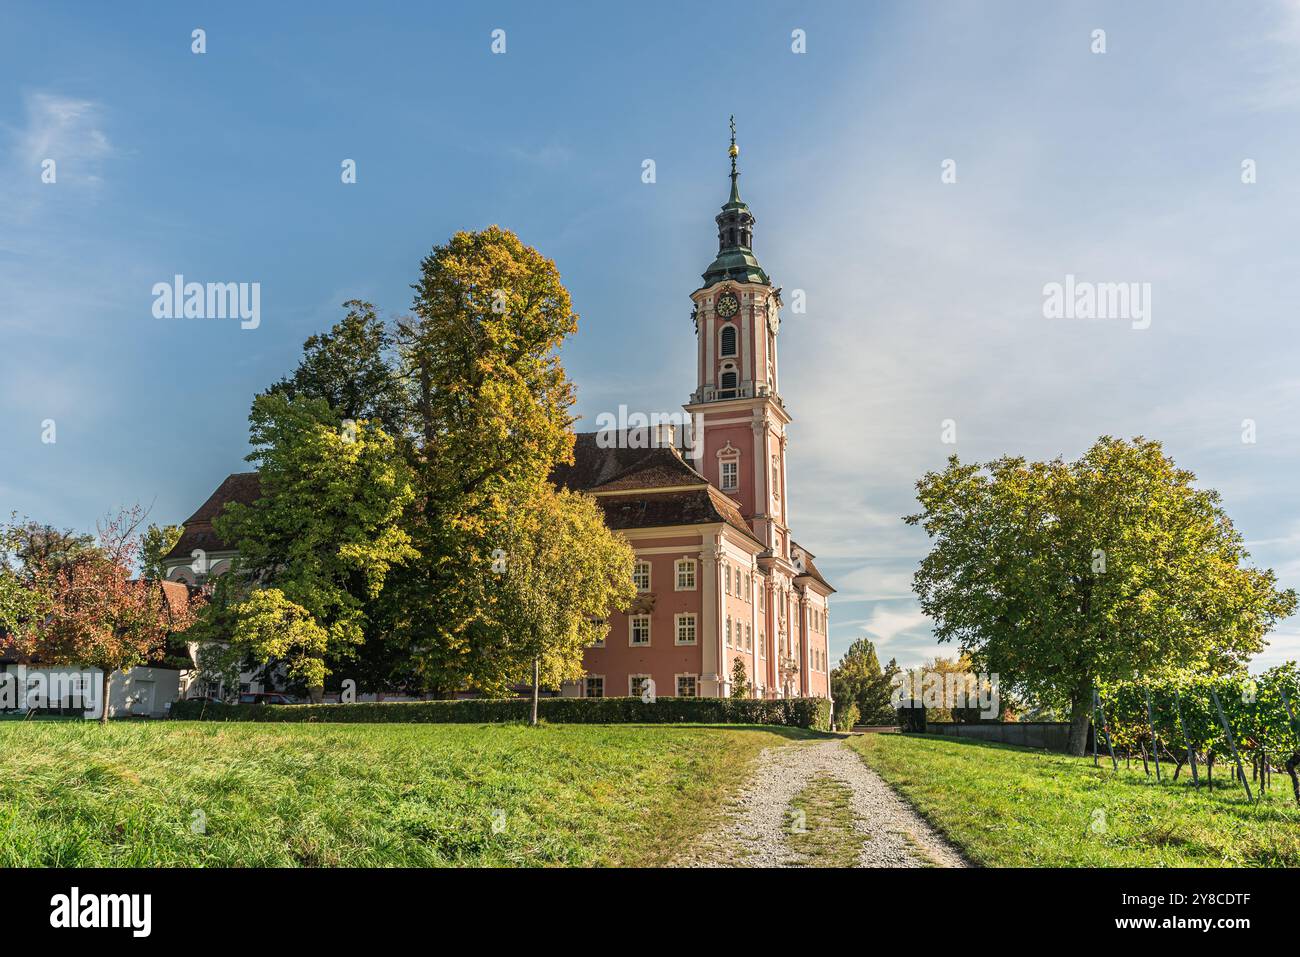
(728, 305)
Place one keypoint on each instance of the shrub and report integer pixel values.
(846, 717)
(812, 713)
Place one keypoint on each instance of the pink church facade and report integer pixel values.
(720, 579)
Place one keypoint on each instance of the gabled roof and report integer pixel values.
(242, 487)
(806, 558)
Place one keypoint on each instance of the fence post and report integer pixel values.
(1191, 755)
(1227, 733)
(1109, 745)
(1096, 728)
(1155, 748)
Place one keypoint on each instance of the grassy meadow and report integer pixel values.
(171, 793)
(1011, 807)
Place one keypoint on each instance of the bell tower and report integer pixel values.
(737, 317)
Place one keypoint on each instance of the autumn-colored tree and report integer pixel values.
(533, 617)
(89, 611)
(491, 406)
(1060, 575)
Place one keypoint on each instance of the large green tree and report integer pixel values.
(1057, 575)
(355, 369)
(319, 544)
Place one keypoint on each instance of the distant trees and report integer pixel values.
(859, 681)
(1060, 575)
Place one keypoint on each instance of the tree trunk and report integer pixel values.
(536, 669)
(104, 675)
(1080, 716)
(316, 694)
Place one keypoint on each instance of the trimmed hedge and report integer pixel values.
(793, 712)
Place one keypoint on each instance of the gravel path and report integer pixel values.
(753, 835)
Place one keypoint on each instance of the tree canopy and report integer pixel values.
(1057, 575)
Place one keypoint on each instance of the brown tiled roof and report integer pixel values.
(605, 472)
(594, 466)
(809, 568)
(659, 509)
(242, 487)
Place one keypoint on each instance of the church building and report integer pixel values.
(722, 587)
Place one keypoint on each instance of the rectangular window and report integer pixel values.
(686, 629)
(595, 686)
(749, 638)
(636, 684)
(730, 475)
(762, 643)
(641, 576)
(686, 575)
(686, 686)
(639, 630)
(726, 578)
(728, 632)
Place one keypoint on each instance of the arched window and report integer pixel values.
(729, 379)
(728, 340)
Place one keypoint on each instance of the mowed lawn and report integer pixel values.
(1010, 807)
(173, 793)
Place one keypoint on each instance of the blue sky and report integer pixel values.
(924, 297)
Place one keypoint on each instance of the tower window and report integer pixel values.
(728, 340)
(729, 379)
(730, 475)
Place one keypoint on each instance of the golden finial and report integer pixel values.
(735, 150)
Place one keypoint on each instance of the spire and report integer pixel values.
(733, 152)
(735, 260)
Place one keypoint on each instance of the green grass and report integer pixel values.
(826, 837)
(1011, 807)
(194, 794)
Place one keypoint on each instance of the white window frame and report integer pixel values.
(631, 631)
(678, 620)
(732, 465)
(728, 632)
(634, 690)
(677, 685)
(681, 565)
(649, 571)
(586, 689)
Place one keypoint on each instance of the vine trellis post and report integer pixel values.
(1155, 748)
(1191, 755)
(1227, 733)
(1101, 709)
